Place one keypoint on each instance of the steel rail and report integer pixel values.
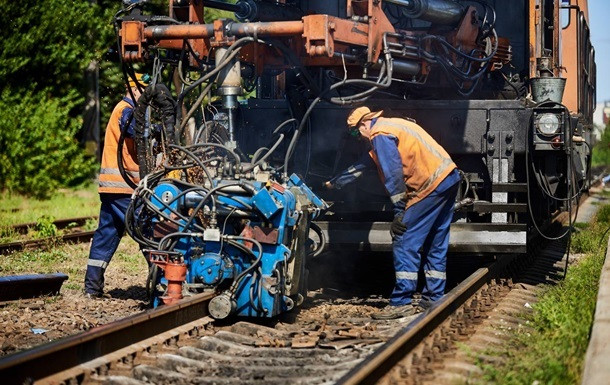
(54, 357)
(14, 287)
(374, 367)
(80, 237)
(22, 228)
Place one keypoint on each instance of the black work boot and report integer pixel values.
(393, 312)
(424, 305)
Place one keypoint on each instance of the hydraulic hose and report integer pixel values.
(159, 96)
(342, 101)
(119, 155)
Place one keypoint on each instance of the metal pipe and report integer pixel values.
(198, 31)
(404, 67)
(229, 86)
(446, 12)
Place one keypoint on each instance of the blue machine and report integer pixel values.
(246, 241)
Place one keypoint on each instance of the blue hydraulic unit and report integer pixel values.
(244, 240)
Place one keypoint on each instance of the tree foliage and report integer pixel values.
(49, 44)
(601, 151)
(45, 48)
(39, 152)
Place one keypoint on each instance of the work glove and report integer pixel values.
(397, 228)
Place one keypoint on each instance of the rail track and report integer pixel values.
(175, 345)
(75, 236)
(60, 224)
(348, 349)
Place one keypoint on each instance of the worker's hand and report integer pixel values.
(397, 228)
(327, 185)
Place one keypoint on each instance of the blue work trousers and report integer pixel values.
(428, 223)
(106, 239)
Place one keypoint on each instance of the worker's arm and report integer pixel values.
(390, 162)
(352, 173)
(128, 117)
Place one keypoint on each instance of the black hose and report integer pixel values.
(529, 200)
(375, 86)
(320, 249)
(231, 240)
(159, 96)
(255, 160)
(119, 155)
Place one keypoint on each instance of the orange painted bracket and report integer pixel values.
(132, 35)
(175, 273)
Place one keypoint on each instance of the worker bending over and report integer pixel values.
(422, 182)
(115, 193)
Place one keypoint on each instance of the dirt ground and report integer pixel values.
(31, 322)
(28, 323)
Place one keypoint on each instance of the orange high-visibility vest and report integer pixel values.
(424, 162)
(111, 180)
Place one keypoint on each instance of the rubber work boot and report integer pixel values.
(393, 312)
(97, 295)
(424, 305)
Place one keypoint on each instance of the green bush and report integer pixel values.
(37, 135)
(45, 48)
(552, 349)
(601, 151)
(45, 226)
(603, 215)
(553, 353)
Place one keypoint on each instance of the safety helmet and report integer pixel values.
(360, 114)
(143, 80)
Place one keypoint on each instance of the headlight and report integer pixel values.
(548, 124)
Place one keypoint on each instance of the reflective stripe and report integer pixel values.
(354, 172)
(406, 275)
(446, 162)
(435, 274)
(397, 198)
(116, 171)
(97, 263)
(416, 135)
(110, 174)
(114, 184)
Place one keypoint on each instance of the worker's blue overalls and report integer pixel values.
(115, 196)
(427, 221)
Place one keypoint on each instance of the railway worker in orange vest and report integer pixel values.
(422, 182)
(115, 193)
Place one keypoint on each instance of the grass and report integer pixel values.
(127, 263)
(15, 209)
(553, 353)
(65, 203)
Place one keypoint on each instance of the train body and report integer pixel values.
(506, 87)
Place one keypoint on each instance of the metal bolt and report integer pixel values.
(455, 121)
